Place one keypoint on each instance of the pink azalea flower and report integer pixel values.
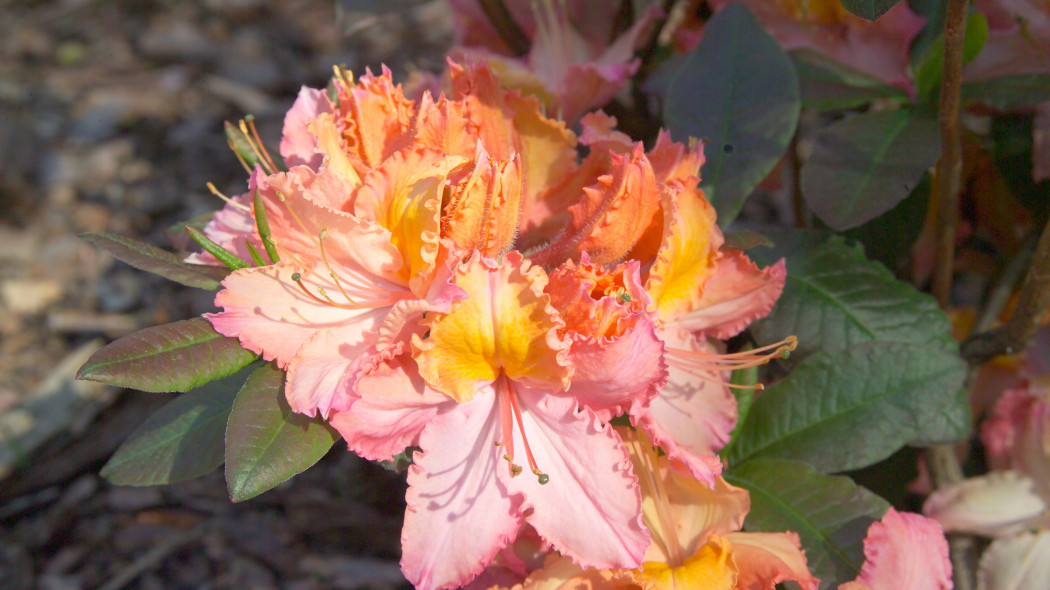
(490, 390)
(572, 66)
(904, 551)
(879, 49)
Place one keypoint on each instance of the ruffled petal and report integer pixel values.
(1016, 563)
(482, 211)
(615, 374)
(712, 567)
(997, 504)
(694, 414)
(298, 144)
(459, 515)
(590, 509)
(270, 314)
(505, 326)
(737, 293)
(324, 371)
(906, 552)
(764, 560)
(393, 407)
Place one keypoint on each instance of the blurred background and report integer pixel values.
(111, 119)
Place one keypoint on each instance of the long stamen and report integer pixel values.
(255, 149)
(215, 191)
(255, 135)
(650, 478)
(698, 363)
(331, 272)
(509, 407)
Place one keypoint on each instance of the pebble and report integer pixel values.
(29, 296)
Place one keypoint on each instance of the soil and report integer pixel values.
(111, 119)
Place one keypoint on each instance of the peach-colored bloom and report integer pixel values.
(904, 551)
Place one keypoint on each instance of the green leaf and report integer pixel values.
(1009, 92)
(889, 237)
(263, 227)
(834, 298)
(231, 260)
(152, 259)
(174, 357)
(953, 423)
(1012, 149)
(180, 441)
(930, 66)
(267, 443)
(831, 514)
(745, 239)
(848, 409)
(869, 9)
(829, 85)
(862, 166)
(722, 94)
(745, 397)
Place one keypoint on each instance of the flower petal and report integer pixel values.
(324, 371)
(483, 208)
(1016, 563)
(505, 324)
(694, 414)
(997, 504)
(767, 559)
(906, 552)
(458, 516)
(298, 144)
(393, 408)
(590, 509)
(736, 294)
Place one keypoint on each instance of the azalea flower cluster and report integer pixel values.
(446, 277)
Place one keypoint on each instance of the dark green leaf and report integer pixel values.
(829, 85)
(152, 259)
(848, 409)
(952, 424)
(834, 298)
(267, 443)
(889, 237)
(831, 514)
(174, 357)
(930, 65)
(744, 398)
(180, 441)
(1012, 148)
(745, 239)
(869, 9)
(401, 461)
(862, 166)
(1009, 92)
(722, 94)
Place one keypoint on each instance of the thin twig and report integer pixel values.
(508, 28)
(1032, 305)
(943, 463)
(153, 558)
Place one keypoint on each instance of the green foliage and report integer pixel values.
(1012, 149)
(889, 237)
(869, 9)
(864, 165)
(173, 357)
(722, 94)
(222, 254)
(828, 85)
(745, 239)
(848, 409)
(267, 443)
(180, 441)
(1009, 92)
(831, 514)
(929, 67)
(834, 298)
(152, 259)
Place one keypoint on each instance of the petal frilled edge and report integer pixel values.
(590, 509)
(459, 515)
(616, 375)
(298, 144)
(393, 407)
(997, 504)
(737, 293)
(906, 551)
(694, 414)
(766, 559)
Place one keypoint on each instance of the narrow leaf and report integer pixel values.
(745, 239)
(722, 94)
(173, 357)
(869, 9)
(180, 441)
(152, 259)
(267, 443)
(259, 211)
(831, 514)
(834, 298)
(848, 409)
(864, 165)
(828, 85)
(257, 260)
(231, 260)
